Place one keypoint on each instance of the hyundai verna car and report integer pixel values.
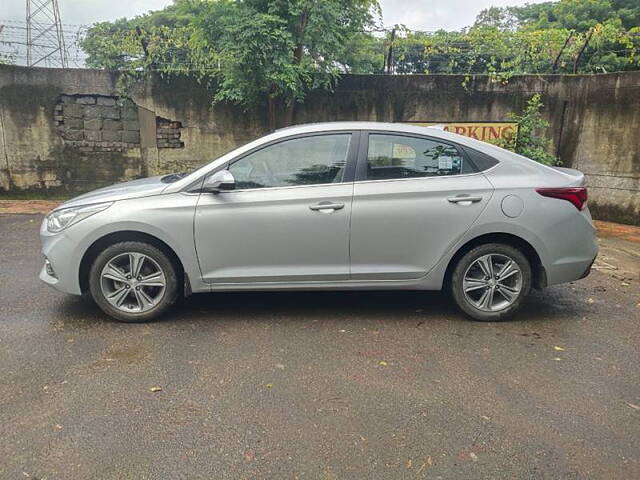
(349, 205)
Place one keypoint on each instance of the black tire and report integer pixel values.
(165, 300)
(501, 251)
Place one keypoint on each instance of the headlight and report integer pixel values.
(61, 219)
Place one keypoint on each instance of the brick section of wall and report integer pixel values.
(168, 133)
(97, 122)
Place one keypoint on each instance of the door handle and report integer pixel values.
(326, 207)
(464, 199)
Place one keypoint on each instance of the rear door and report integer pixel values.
(414, 197)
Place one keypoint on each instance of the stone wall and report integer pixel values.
(68, 130)
(97, 122)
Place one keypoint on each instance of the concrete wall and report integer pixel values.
(53, 138)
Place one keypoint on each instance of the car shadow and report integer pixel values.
(302, 306)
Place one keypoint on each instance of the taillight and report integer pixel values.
(575, 195)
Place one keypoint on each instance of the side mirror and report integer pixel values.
(219, 182)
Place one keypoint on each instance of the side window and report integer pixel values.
(299, 161)
(398, 156)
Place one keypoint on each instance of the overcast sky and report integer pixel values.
(415, 14)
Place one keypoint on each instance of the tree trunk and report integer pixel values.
(289, 109)
(272, 113)
(289, 105)
(301, 27)
(554, 69)
(586, 42)
(390, 53)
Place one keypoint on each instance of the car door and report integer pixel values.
(414, 197)
(288, 218)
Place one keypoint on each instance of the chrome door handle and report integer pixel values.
(326, 206)
(464, 198)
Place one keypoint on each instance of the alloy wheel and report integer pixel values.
(133, 282)
(492, 282)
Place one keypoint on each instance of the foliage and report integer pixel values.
(252, 50)
(531, 140)
(567, 36)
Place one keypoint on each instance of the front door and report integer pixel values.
(287, 220)
(414, 197)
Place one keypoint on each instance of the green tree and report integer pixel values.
(252, 51)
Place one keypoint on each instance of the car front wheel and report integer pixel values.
(133, 281)
(490, 282)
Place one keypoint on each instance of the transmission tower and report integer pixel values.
(45, 38)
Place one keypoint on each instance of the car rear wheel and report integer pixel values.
(133, 282)
(490, 282)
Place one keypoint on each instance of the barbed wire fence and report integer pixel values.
(13, 46)
(14, 41)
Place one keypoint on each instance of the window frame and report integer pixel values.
(349, 171)
(363, 154)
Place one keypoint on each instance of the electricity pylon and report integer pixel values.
(45, 38)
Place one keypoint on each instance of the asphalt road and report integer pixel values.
(317, 385)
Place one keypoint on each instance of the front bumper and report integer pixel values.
(61, 252)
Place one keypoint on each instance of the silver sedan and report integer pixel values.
(349, 205)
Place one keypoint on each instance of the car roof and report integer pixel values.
(435, 131)
(355, 125)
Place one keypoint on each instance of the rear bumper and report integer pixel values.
(575, 267)
(588, 270)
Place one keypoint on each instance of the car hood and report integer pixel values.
(143, 187)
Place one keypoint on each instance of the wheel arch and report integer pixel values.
(537, 268)
(128, 236)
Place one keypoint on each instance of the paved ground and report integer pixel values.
(322, 385)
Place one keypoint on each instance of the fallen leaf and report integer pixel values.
(591, 300)
(269, 385)
(473, 456)
(559, 349)
(557, 359)
(425, 465)
(635, 407)
(342, 331)
(625, 284)
(155, 389)
(382, 363)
